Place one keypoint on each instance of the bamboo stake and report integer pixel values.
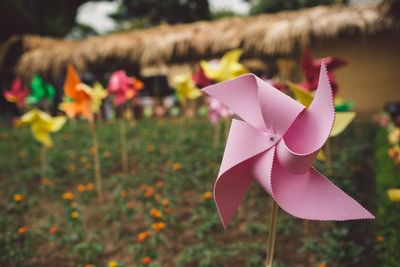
(124, 152)
(43, 161)
(99, 181)
(272, 234)
(306, 232)
(228, 122)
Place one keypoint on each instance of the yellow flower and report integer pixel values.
(42, 124)
(112, 264)
(68, 195)
(227, 68)
(83, 159)
(107, 154)
(207, 195)
(18, 197)
(75, 214)
(165, 202)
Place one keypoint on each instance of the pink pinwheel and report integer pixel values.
(123, 87)
(17, 94)
(275, 145)
(310, 69)
(217, 110)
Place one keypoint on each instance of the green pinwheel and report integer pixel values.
(40, 90)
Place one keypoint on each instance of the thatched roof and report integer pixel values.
(281, 34)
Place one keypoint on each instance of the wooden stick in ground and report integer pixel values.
(306, 233)
(124, 152)
(43, 162)
(328, 155)
(99, 181)
(228, 121)
(272, 233)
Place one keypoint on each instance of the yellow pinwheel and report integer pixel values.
(227, 68)
(98, 94)
(185, 87)
(41, 124)
(342, 120)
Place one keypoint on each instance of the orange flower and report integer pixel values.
(53, 229)
(72, 167)
(89, 265)
(142, 236)
(165, 202)
(322, 265)
(72, 156)
(150, 148)
(149, 191)
(130, 205)
(68, 195)
(21, 154)
(176, 166)
(88, 165)
(107, 154)
(167, 210)
(81, 188)
(43, 181)
(157, 197)
(118, 173)
(92, 151)
(341, 243)
(145, 260)
(123, 193)
(75, 214)
(83, 159)
(158, 226)
(156, 213)
(89, 186)
(143, 187)
(159, 183)
(112, 264)
(207, 195)
(22, 230)
(18, 198)
(379, 239)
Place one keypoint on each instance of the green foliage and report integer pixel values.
(146, 13)
(387, 176)
(272, 6)
(43, 17)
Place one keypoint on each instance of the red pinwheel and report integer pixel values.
(18, 93)
(310, 69)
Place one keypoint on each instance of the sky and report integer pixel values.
(95, 13)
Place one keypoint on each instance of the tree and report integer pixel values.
(272, 6)
(43, 17)
(146, 13)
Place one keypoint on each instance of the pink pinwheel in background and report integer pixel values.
(217, 110)
(276, 145)
(17, 94)
(310, 69)
(123, 87)
(200, 78)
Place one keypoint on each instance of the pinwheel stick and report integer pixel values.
(99, 181)
(124, 152)
(272, 233)
(43, 161)
(217, 134)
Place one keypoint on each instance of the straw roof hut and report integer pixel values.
(171, 48)
(267, 35)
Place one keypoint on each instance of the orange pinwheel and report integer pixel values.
(80, 94)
